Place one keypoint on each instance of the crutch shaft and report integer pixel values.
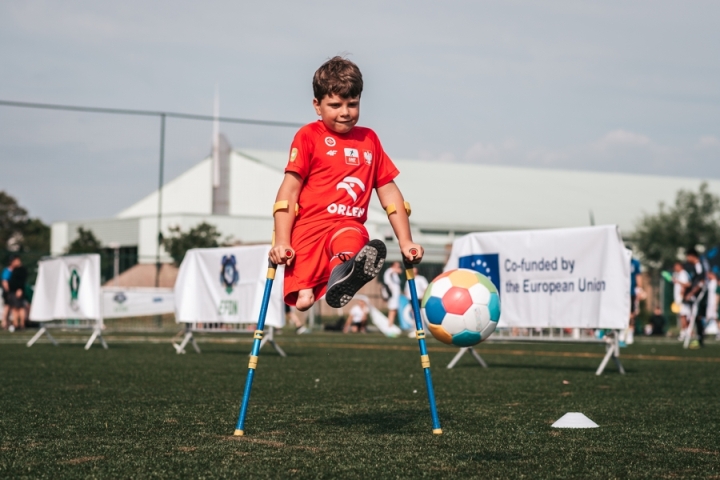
(240, 426)
(425, 360)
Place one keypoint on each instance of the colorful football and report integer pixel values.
(461, 307)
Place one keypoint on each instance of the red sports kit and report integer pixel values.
(339, 173)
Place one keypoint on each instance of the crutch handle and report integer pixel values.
(408, 262)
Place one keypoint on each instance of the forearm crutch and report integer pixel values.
(424, 358)
(257, 338)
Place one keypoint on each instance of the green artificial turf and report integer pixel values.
(342, 406)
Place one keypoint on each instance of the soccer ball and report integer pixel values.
(461, 307)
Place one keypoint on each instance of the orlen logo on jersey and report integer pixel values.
(348, 184)
(352, 156)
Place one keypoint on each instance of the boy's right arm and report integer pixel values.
(285, 218)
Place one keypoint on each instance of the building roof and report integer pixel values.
(447, 199)
(463, 197)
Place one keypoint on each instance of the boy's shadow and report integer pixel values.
(383, 422)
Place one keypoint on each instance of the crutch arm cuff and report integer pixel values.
(390, 209)
(283, 205)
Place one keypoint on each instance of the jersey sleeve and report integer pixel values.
(301, 152)
(386, 169)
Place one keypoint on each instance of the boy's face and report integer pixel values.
(338, 114)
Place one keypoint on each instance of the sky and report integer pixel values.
(619, 86)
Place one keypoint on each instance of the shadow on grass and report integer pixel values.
(519, 366)
(402, 422)
(267, 351)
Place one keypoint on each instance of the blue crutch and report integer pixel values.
(257, 338)
(424, 358)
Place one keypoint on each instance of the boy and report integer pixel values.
(322, 203)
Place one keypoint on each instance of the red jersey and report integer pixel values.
(339, 173)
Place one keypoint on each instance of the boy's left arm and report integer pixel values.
(390, 194)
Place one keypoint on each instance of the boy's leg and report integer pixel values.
(354, 262)
(344, 244)
(305, 299)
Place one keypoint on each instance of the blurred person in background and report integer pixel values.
(16, 293)
(657, 322)
(681, 281)
(636, 294)
(357, 320)
(696, 294)
(421, 284)
(6, 273)
(391, 278)
(290, 315)
(712, 304)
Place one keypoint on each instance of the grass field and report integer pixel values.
(355, 407)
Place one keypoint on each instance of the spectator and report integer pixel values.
(696, 294)
(657, 322)
(6, 273)
(357, 320)
(681, 280)
(391, 278)
(300, 327)
(635, 290)
(16, 293)
(712, 302)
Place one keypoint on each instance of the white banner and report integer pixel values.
(567, 278)
(67, 287)
(121, 302)
(226, 285)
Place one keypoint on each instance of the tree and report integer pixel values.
(18, 232)
(178, 243)
(35, 236)
(11, 216)
(86, 242)
(693, 221)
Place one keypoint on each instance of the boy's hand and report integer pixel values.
(412, 252)
(282, 255)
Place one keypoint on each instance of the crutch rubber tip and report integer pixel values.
(437, 431)
(238, 433)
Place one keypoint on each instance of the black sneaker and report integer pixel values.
(349, 277)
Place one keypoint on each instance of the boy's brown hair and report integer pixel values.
(338, 76)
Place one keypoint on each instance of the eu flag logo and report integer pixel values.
(488, 264)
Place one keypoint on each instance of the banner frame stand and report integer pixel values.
(612, 350)
(36, 337)
(96, 334)
(188, 337)
(462, 352)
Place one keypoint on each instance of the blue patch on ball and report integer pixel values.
(434, 310)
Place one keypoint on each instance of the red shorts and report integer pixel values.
(311, 267)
